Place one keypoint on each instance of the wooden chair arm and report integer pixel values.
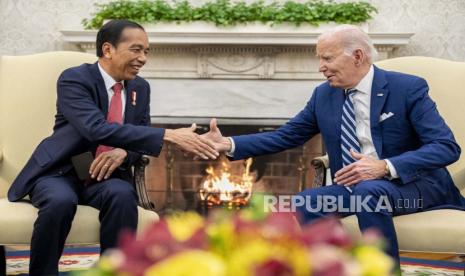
(139, 181)
(320, 164)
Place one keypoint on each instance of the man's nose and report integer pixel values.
(142, 58)
(322, 66)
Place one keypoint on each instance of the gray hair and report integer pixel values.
(352, 38)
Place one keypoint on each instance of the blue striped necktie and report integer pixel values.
(349, 138)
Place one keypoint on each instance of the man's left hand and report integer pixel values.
(103, 166)
(365, 168)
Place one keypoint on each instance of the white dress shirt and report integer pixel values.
(109, 82)
(362, 102)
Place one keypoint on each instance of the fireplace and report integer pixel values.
(174, 181)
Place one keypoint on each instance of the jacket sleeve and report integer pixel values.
(295, 132)
(79, 108)
(438, 146)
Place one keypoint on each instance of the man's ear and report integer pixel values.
(359, 57)
(107, 50)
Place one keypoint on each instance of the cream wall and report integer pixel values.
(31, 26)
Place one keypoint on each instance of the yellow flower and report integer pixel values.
(246, 258)
(221, 237)
(373, 262)
(183, 225)
(105, 264)
(189, 263)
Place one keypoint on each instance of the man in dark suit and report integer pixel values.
(102, 108)
(387, 143)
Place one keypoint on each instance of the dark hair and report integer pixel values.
(111, 33)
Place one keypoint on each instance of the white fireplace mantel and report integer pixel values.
(254, 51)
(247, 74)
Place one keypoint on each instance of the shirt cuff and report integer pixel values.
(233, 147)
(392, 170)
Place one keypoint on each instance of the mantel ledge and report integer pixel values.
(201, 33)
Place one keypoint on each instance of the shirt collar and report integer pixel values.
(109, 81)
(364, 85)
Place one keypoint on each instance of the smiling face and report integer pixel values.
(342, 70)
(124, 60)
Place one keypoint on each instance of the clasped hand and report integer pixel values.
(190, 142)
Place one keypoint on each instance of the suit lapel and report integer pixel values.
(379, 94)
(337, 101)
(131, 103)
(101, 89)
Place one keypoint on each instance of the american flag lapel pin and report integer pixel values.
(133, 97)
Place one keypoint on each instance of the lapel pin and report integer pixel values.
(133, 98)
(380, 94)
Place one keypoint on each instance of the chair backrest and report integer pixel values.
(28, 105)
(446, 79)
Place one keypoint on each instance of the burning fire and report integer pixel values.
(223, 188)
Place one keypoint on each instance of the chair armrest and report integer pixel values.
(320, 164)
(139, 181)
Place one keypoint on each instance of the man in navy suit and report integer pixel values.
(385, 139)
(90, 97)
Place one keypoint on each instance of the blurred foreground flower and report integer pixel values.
(250, 242)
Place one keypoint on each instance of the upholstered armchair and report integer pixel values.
(27, 108)
(441, 231)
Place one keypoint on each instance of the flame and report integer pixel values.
(222, 187)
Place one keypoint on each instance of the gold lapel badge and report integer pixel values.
(133, 98)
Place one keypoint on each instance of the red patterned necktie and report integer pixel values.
(115, 113)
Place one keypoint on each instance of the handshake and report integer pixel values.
(206, 146)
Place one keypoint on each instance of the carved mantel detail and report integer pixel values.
(236, 62)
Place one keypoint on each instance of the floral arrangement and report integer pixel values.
(249, 242)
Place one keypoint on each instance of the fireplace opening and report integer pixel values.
(225, 186)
